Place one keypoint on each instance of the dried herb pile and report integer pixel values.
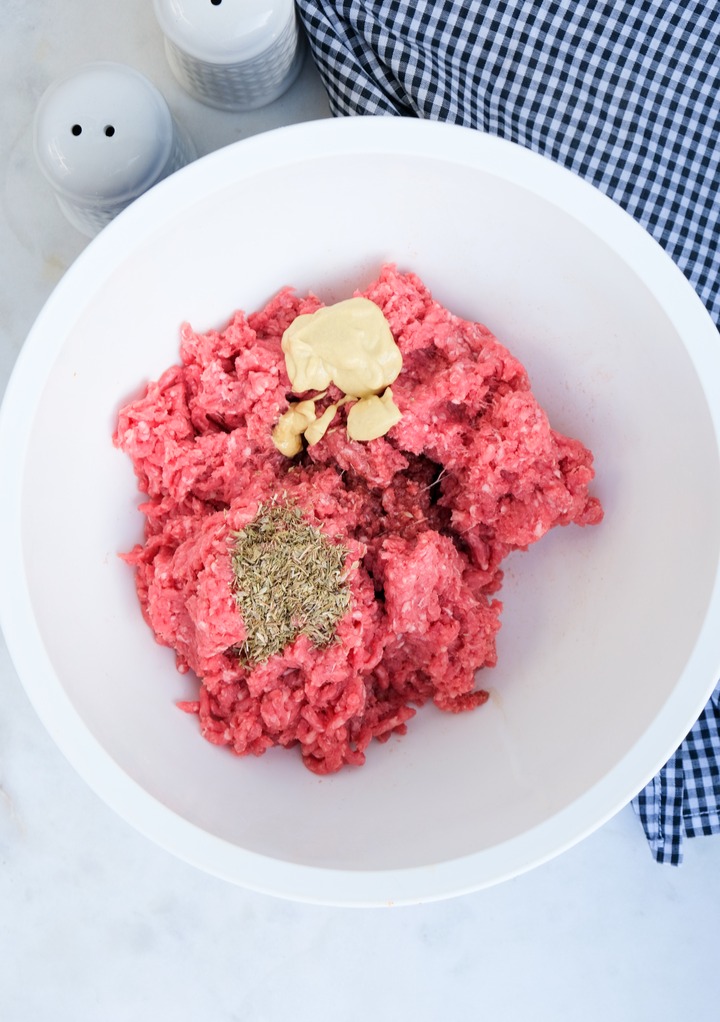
(289, 580)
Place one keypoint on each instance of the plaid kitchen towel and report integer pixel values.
(683, 800)
(624, 93)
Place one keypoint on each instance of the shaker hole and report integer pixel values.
(216, 3)
(76, 129)
(109, 130)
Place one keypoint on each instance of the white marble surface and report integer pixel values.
(98, 923)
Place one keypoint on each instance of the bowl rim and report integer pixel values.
(211, 173)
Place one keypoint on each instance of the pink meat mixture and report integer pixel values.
(472, 471)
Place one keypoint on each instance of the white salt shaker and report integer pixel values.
(232, 54)
(103, 135)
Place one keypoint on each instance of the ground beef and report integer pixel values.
(472, 471)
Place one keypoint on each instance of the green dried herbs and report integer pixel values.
(289, 580)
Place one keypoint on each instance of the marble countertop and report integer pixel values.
(98, 923)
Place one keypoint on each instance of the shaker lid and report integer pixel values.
(223, 31)
(102, 131)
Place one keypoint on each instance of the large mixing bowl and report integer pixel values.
(610, 643)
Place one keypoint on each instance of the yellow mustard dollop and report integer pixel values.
(371, 417)
(349, 344)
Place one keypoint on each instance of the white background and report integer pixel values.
(98, 923)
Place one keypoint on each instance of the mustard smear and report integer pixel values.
(287, 435)
(318, 428)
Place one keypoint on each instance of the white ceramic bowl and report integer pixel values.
(610, 644)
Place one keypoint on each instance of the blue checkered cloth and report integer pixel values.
(624, 93)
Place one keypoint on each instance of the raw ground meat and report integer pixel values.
(471, 472)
